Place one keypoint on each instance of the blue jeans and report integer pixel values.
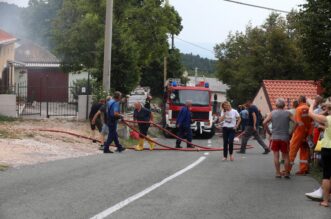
(184, 133)
(228, 136)
(112, 136)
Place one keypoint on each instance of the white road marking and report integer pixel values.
(133, 198)
(207, 153)
(209, 141)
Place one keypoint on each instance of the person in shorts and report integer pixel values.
(280, 136)
(325, 152)
(144, 115)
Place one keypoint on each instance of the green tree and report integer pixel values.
(38, 18)
(314, 27)
(140, 33)
(266, 52)
(205, 66)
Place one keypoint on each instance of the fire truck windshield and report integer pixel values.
(198, 97)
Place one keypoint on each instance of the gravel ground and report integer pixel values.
(21, 143)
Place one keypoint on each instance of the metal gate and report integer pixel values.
(28, 99)
(46, 101)
(57, 105)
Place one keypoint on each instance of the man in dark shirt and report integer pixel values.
(183, 124)
(251, 129)
(97, 123)
(145, 115)
(148, 102)
(102, 115)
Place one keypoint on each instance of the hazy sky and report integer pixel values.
(208, 22)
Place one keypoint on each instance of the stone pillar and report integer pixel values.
(84, 107)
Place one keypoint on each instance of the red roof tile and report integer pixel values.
(289, 89)
(6, 37)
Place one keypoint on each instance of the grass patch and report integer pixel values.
(157, 100)
(7, 119)
(3, 167)
(6, 134)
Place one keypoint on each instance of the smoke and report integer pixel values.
(11, 20)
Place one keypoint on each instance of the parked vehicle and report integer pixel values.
(202, 119)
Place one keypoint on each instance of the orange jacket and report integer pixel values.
(302, 118)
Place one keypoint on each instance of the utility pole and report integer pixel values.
(165, 70)
(106, 79)
(172, 41)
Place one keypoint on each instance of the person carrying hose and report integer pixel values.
(183, 124)
(144, 115)
(113, 115)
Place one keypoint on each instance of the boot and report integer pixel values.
(151, 145)
(140, 145)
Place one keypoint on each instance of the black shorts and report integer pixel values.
(326, 162)
(143, 129)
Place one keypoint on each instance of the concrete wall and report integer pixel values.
(76, 76)
(260, 101)
(221, 97)
(8, 105)
(82, 101)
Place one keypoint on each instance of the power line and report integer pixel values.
(196, 45)
(257, 6)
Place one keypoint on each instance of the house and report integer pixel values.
(290, 90)
(7, 53)
(217, 87)
(40, 73)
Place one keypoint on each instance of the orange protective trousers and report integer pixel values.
(299, 138)
(298, 141)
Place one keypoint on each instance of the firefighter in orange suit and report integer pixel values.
(299, 138)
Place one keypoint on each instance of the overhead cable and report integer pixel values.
(257, 6)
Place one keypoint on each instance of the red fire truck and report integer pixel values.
(202, 119)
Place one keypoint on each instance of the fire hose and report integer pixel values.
(163, 146)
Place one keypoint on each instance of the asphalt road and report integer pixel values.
(85, 187)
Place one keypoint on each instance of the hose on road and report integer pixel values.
(163, 146)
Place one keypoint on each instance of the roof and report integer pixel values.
(34, 55)
(289, 90)
(215, 85)
(6, 38)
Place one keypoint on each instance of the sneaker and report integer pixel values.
(316, 195)
(241, 152)
(267, 151)
(190, 146)
(108, 152)
(101, 147)
(231, 158)
(178, 146)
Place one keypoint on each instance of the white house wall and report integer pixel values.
(261, 102)
(221, 97)
(76, 76)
